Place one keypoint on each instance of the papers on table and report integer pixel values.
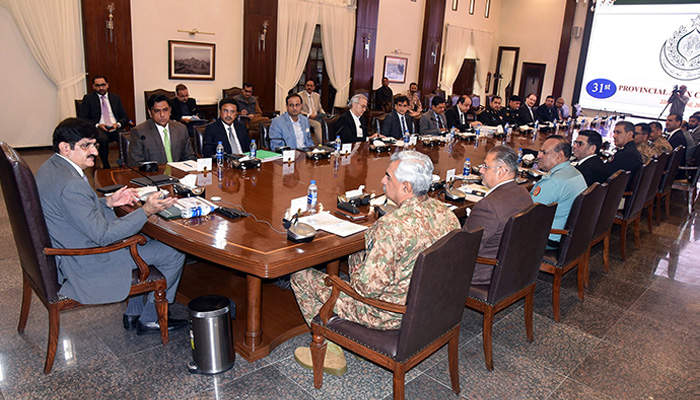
(326, 222)
(187, 166)
(474, 192)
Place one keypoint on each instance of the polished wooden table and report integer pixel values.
(247, 253)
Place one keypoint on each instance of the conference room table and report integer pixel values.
(241, 258)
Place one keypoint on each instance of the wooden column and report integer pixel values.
(259, 66)
(564, 44)
(366, 32)
(431, 51)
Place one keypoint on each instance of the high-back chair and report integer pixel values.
(632, 212)
(515, 270)
(661, 161)
(665, 187)
(689, 184)
(431, 317)
(148, 93)
(38, 258)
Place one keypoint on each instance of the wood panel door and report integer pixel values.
(531, 79)
(108, 51)
(464, 84)
(365, 45)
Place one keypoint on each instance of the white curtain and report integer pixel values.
(456, 44)
(338, 37)
(52, 31)
(295, 32)
(481, 41)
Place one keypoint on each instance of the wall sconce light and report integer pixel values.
(367, 40)
(263, 35)
(455, 5)
(576, 32)
(488, 9)
(110, 22)
(433, 53)
(471, 7)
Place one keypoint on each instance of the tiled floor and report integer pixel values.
(636, 336)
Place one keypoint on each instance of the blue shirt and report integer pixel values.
(561, 185)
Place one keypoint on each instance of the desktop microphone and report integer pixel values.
(280, 149)
(121, 163)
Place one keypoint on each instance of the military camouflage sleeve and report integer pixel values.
(374, 275)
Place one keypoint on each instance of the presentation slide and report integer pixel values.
(638, 54)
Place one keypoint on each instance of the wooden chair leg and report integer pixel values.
(556, 286)
(162, 310)
(488, 337)
(580, 273)
(26, 303)
(636, 231)
(399, 382)
(453, 359)
(649, 216)
(623, 239)
(586, 267)
(318, 355)
(658, 209)
(606, 252)
(54, 327)
(668, 204)
(529, 301)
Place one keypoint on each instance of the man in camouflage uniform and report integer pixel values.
(382, 271)
(641, 139)
(658, 143)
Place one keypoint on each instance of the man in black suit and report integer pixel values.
(678, 137)
(352, 126)
(547, 112)
(457, 115)
(230, 132)
(399, 120)
(383, 96)
(627, 158)
(588, 163)
(526, 113)
(106, 111)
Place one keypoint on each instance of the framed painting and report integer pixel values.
(395, 68)
(191, 60)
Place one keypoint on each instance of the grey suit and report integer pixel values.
(429, 125)
(77, 218)
(282, 132)
(146, 144)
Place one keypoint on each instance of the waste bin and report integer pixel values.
(210, 335)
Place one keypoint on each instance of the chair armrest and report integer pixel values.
(559, 231)
(688, 168)
(130, 242)
(488, 261)
(340, 285)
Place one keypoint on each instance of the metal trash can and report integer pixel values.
(210, 335)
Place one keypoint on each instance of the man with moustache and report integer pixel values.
(546, 112)
(232, 133)
(457, 115)
(433, 122)
(585, 149)
(527, 110)
(626, 158)
(491, 116)
(511, 114)
(311, 107)
(398, 121)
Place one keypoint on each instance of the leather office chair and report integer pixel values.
(265, 135)
(689, 183)
(330, 125)
(199, 139)
(632, 212)
(378, 122)
(78, 103)
(431, 316)
(665, 187)
(231, 92)
(37, 257)
(575, 239)
(616, 184)
(325, 134)
(661, 161)
(124, 142)
(148, 93)
(515, 270)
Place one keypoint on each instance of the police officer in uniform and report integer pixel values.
(627, 157)
(491, 115)
(511, 114)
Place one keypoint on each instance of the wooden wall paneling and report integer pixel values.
(366, 27)
(433, 25)
(260, 67)
(113, 59)
(564, 44)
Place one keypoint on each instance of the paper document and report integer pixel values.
(326, 222)
(186, 166)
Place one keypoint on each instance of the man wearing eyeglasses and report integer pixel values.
(586, 148)
(77, 218)
(561, 183)
(231, 133)
(505, 199)
(291, 129)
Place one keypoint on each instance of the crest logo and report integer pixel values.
(680, 54)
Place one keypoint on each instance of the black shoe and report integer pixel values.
(130, 321)
(143, 328)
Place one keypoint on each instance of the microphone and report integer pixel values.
(121, 163)
(279, 149)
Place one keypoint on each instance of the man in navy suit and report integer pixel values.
(399, 120)
(546, 112)
(291, 129)
(106, 112)
(588, 163)
(232, 133)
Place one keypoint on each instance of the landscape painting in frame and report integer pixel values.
(191, 60)
(395, 68)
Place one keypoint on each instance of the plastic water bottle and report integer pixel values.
(220, 155)
(478, 132)
(506, 129)
(453, 130)
(537, 125)
(338, 144)
(198, 211)
(253, 149)
(406, 138)
(520, 155)
(467, 169)
(312, 197)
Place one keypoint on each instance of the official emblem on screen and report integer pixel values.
(680, 54)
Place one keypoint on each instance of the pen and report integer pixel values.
(187, 165)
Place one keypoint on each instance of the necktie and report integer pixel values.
(311, 103)
(461, 118)
(166, 145)
(439, 121)
(232, 140)
(105, 112)
(403, 124)
(85, 178)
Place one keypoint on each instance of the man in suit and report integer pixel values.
(77, 218)
(249, 108)
(627, 157)
(588, 163)
(159, 139)
(457, 116)
(433, 122)
(183, 107)
(527, 110)
(546, 112)
(291, 129)
(312, 109)
(505, 199)
(678, 137)
(398, 121)
(383, 96)
(106, 112)
(563, 111)
(352, 126)
(693, 131)
(226, 129)
(491, 116)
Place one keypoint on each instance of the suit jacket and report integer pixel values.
(316, 98)
(91, 108)
(545, 113)
(490, 117)
(77, 218)
(282, 132)
(680, 138)
(492, 213)
(146, 144)
(392, 125)
(346, 129)
(215, 133)
(429, 125)
(593, 170)
(524, 116)
(452, 115)
(626, 159)
(176, 108)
